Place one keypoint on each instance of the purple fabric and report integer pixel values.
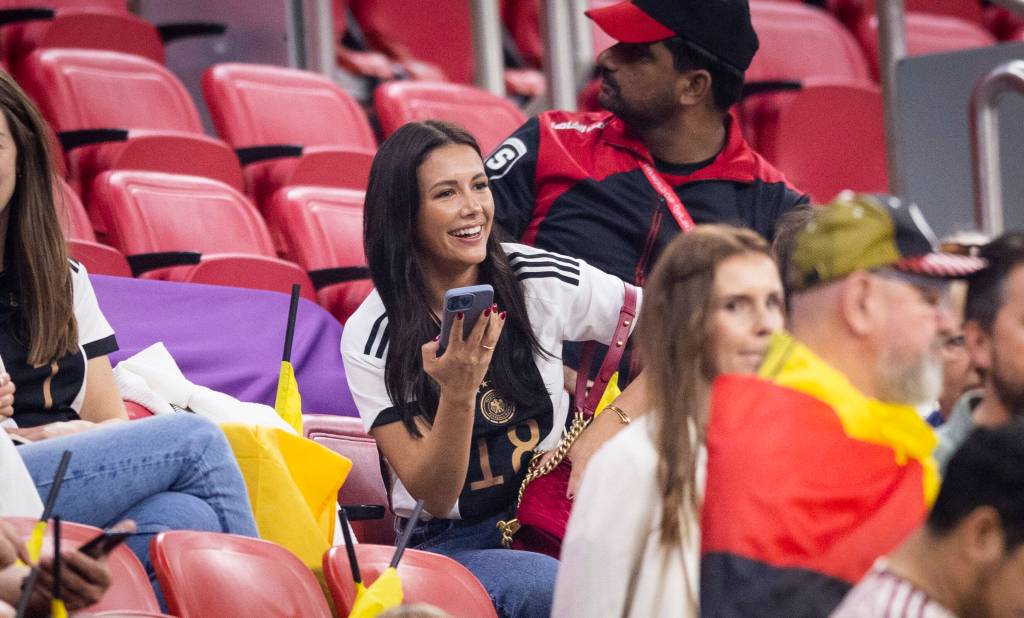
(230, 339)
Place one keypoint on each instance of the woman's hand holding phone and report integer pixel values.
(463, 365)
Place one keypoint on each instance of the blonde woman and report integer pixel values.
(633, 543)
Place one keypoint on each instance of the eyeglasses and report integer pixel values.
(953, 342)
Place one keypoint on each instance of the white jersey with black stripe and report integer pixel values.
(566, 299)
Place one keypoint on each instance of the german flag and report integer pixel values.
(808, 482)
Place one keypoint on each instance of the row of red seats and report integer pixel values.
(28, 25)
(413, 47)
(823, 124)
(190, 228)
(324, 140)
(116, 111)
(210, 574)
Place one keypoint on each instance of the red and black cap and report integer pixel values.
(720, 28)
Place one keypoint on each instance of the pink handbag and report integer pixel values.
(542, 509)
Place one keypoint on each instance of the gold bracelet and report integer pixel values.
(623, 417)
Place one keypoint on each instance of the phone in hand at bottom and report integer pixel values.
(470, 301)
(104, 543)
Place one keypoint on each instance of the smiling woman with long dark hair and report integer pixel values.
(457, 430)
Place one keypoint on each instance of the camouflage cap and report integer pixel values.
(863, 232)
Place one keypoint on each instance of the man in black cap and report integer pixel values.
(614, 188)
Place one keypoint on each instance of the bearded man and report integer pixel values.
(994, 338)
(822, 463)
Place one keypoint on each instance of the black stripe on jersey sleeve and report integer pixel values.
(74, 264)
(368, 348)
(542, 255)
(562, 267)
(383, 344)
(547, 274)
(386, 417)
(101, 347)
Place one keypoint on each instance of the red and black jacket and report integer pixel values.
(571, 183)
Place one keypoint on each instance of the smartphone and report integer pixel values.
(104, 543)
(471, 302)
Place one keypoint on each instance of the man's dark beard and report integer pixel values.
(1010, 392)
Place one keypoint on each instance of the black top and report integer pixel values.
(55, 391)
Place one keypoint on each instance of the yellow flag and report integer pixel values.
(289, 402)
(382, 594)
(35, 542)
(293, 487)
(57, 609)
(611, 393)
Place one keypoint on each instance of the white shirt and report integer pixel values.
(18, 495)
(566, 300)
(614, 538)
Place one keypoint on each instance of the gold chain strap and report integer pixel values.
(536, 470)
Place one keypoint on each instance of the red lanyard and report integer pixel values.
(675, 205)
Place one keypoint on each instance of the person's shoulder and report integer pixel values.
(629, 454)
(538, 269)
(78, 270)
(574, 125)
(769, 175)
(79, 276)
(365, 331)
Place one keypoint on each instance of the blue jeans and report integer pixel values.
(169, 472)
(521, 583)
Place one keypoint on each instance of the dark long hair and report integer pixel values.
(395, 258)
(36, 254)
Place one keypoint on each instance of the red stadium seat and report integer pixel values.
(523, 19)
(98, 258)
(798, 43)
(123, 33)
(321, 229)
(1003, 23)
(118, 111)
(23, 30)
(926, 34)
(831, 137)
(130, 588)
(331, 139)
(853, 12)
(74, 220)
(155, 213)
(409, 32)
(488, 117)
(427, 578)
(365, 485)
(210, 574)
(366, 63)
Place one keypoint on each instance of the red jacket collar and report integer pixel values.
(736, 162)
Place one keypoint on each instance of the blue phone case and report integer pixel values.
(471, 301)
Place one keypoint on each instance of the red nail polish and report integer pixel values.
(459, 315)
(494, 307)
(487, 312)
(502, 315)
